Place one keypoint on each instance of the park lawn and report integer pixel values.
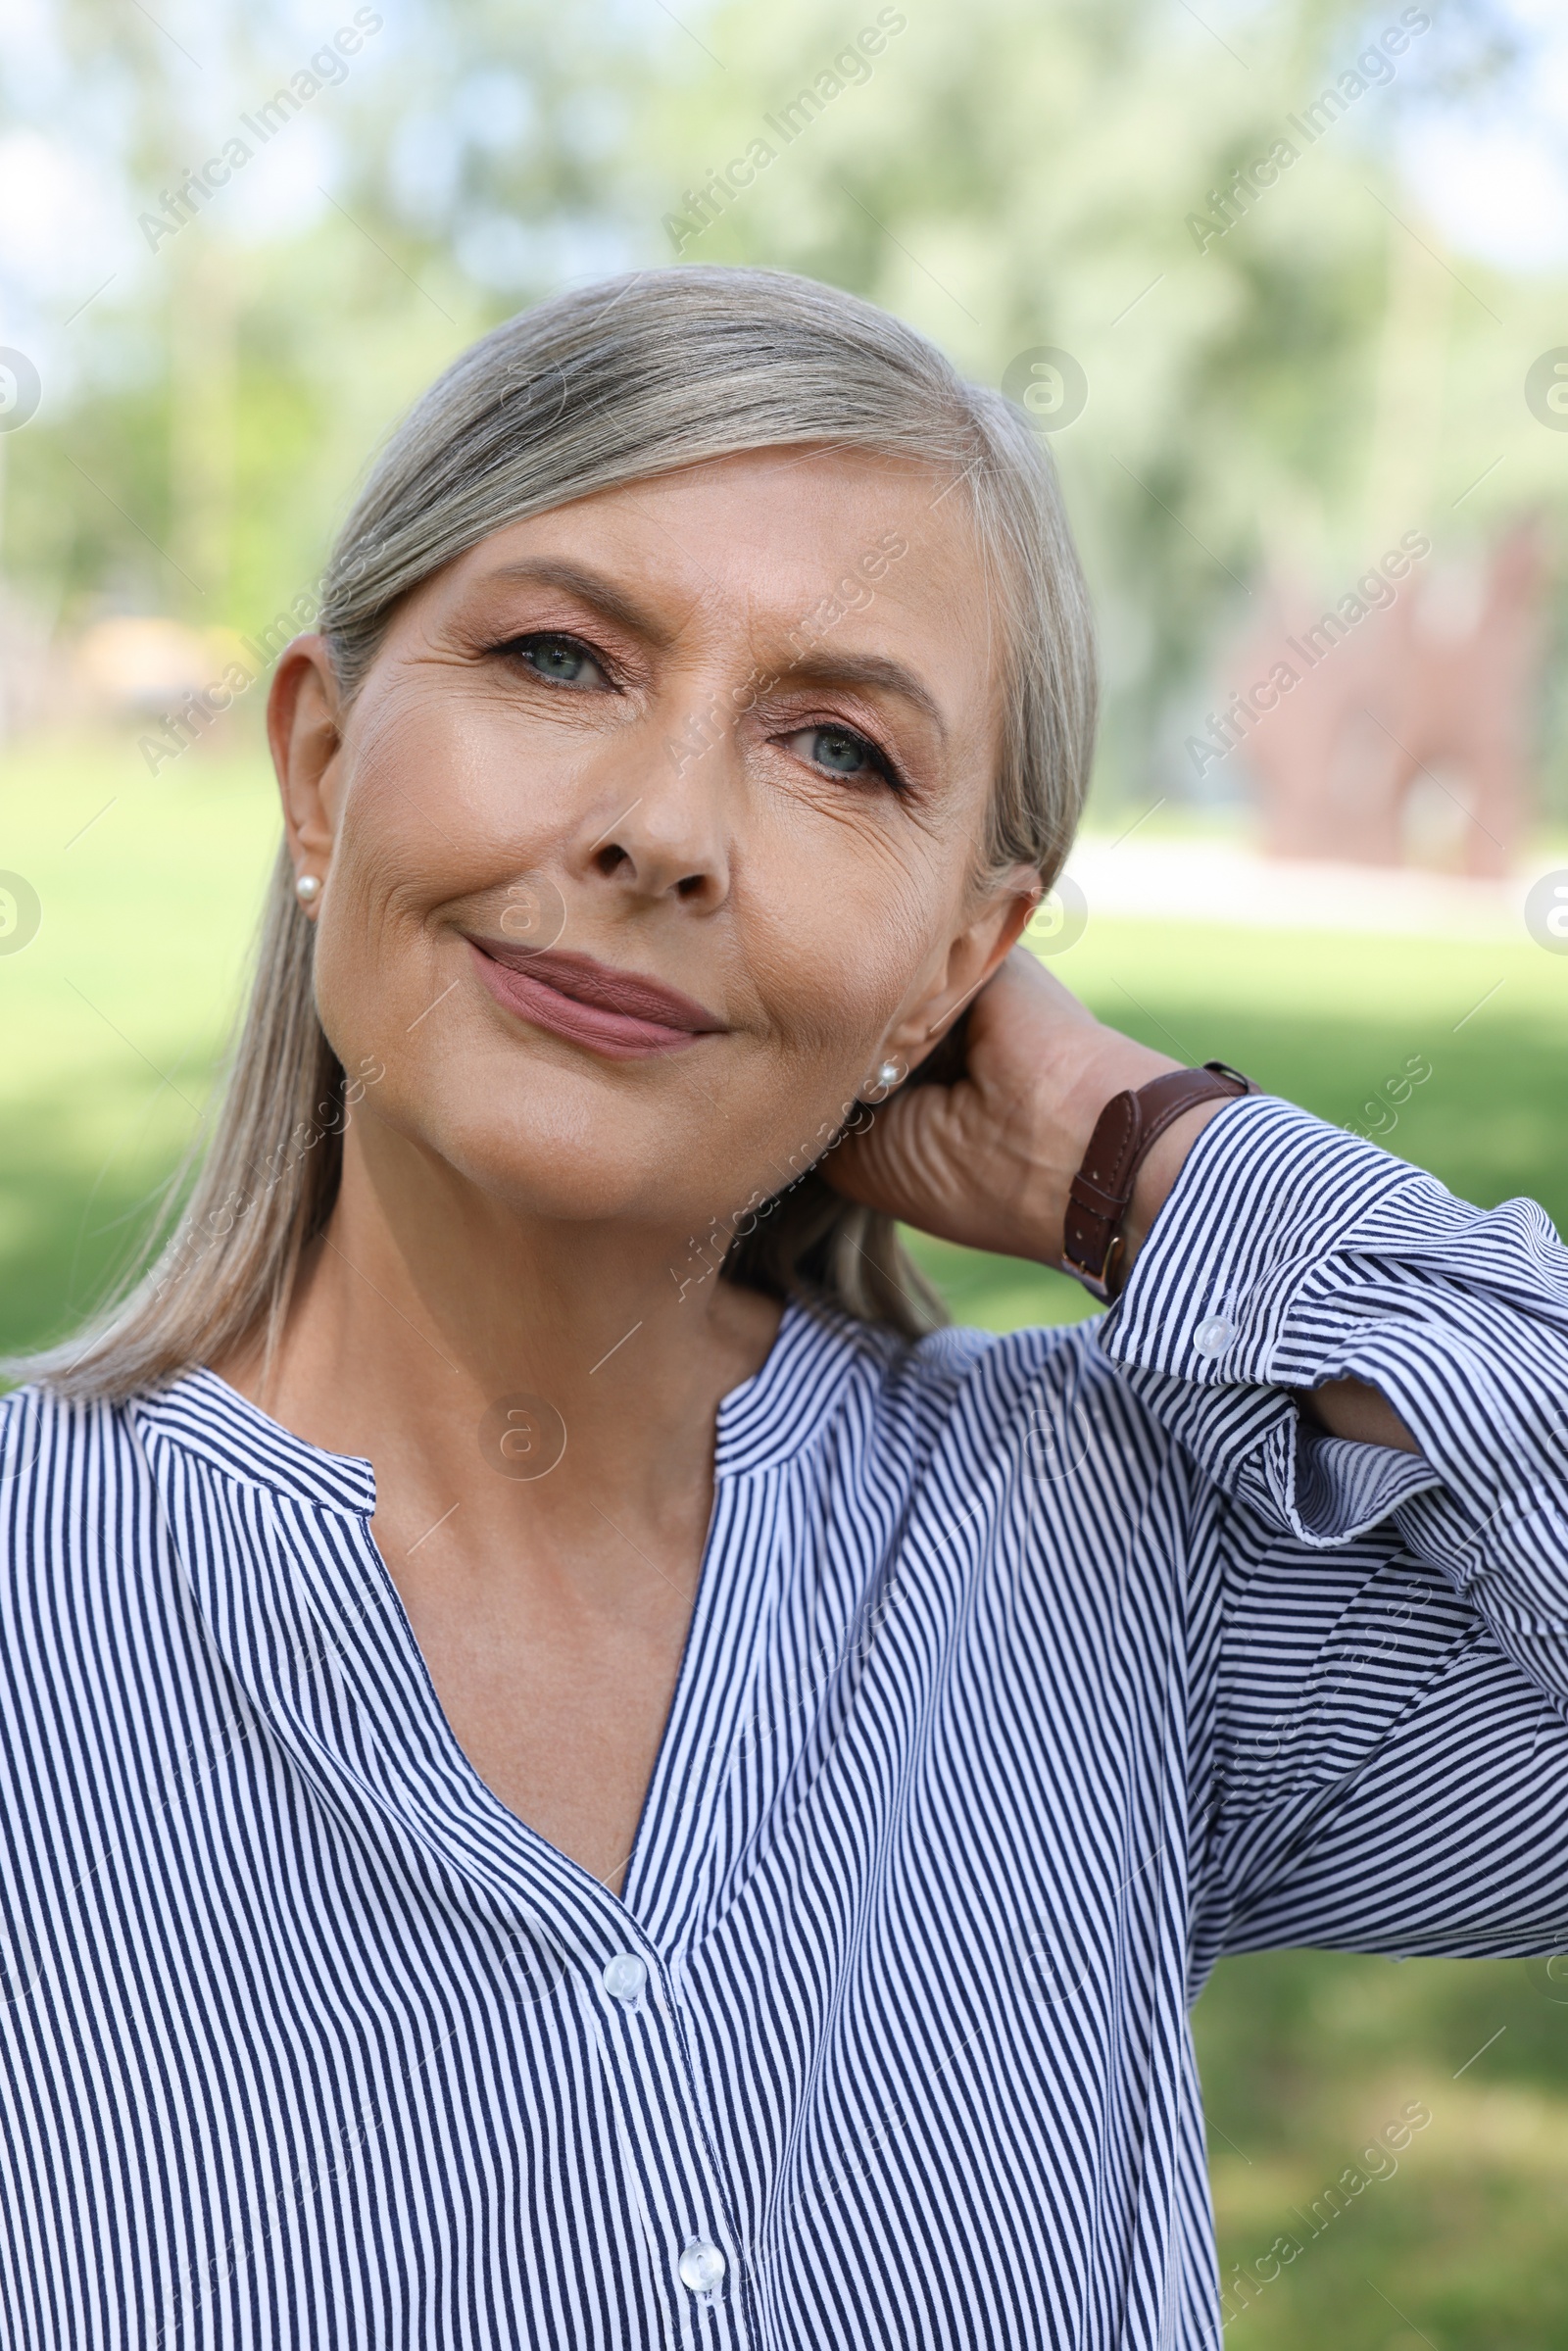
(114, 1020)
(115, 1016)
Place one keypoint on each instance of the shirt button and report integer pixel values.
(624, 1977)
(1213, 1335)
(700, 2265)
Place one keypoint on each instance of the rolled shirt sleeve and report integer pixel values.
(1290, 1253)
(1395, 1641)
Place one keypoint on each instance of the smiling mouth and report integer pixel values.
(619, 1014)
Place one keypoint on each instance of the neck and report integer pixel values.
(508, 1363)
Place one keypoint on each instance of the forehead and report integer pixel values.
(759, 542)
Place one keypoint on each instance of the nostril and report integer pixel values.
(689, 885)
(610, 859)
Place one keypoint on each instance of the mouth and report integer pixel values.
(621, 1014)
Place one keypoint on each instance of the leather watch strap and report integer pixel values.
(1128, 1127)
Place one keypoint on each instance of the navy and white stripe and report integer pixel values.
(1026, 1676)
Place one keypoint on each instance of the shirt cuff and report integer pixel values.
(1253, 1283)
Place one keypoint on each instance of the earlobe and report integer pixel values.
(888, 1074)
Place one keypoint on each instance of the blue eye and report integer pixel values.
(562, 661)
(840, 751)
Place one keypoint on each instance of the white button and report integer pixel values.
(624, 1977)
(702, 2265)
(1213, 1335)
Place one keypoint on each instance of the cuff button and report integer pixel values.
(1212, 1336)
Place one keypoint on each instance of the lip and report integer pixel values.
(623, 1014)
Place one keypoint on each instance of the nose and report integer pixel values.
(670, 840)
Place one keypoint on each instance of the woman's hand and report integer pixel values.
(987, 1161)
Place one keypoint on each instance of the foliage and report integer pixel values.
(1006, 174)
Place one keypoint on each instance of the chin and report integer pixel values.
(554, 1153)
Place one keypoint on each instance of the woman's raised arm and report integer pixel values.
(1383, 1772)
(987, 1160)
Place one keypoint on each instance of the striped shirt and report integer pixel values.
(1026, 1675)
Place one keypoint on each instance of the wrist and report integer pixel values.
(1156, 1178)
(1135, 1154)
(1086, 1067)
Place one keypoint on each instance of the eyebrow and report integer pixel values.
(866, 669)
(591, 588)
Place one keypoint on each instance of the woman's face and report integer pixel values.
(653, 831)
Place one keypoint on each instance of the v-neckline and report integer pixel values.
(759, 1422)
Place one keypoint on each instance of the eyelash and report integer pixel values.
(518, 646)
(876, 757)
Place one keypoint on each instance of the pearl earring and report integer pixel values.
(889, 1073)
(307, 889)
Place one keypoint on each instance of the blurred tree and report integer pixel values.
(1272, 357)
(222, 390)
(1309, 369)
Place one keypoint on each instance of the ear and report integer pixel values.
(304, 729)
(971, 958)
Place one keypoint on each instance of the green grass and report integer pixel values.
(113, 1019)
(1305, 2058)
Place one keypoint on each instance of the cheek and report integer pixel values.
(443, 785)
(830, 967)
(835, 930)
(441, 802)
(375, 959)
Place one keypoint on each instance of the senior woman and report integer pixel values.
(575, 1771)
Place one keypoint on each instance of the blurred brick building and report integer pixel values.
(1411, 694)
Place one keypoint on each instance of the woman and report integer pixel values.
(577, 1774)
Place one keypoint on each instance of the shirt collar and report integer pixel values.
(203, 1416)
(771, 1417)
(766, 1420)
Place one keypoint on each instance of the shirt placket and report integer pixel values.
(575, 1940)
(688, 2225)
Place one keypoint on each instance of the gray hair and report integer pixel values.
(598, 387)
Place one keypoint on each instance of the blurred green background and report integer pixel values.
(1344, 362)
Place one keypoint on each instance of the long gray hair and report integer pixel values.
(599, 387)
